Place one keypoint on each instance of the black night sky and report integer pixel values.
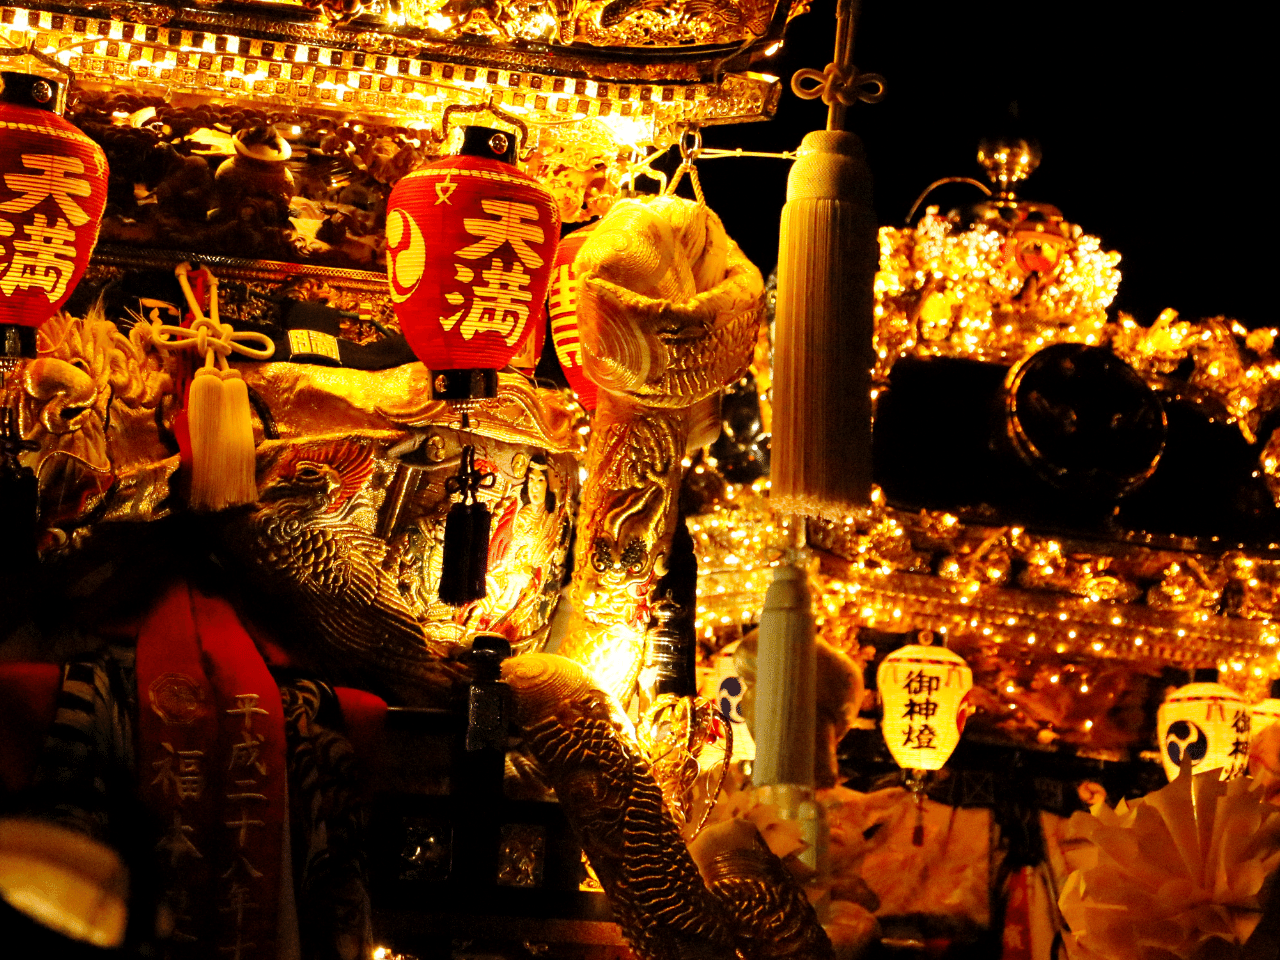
(1152, 127)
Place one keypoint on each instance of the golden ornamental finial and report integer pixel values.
(1008, 161)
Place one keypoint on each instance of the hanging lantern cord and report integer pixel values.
(690, 143)
(915, 785)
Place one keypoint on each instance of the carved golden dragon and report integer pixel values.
(749, 906)
(667, 312)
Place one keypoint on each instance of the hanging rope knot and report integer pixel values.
(213, 341)
(219, 435)
(833, 85)
(469, 480)
(219, 340)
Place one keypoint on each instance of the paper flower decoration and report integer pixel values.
(1175, 874)
(1264, 762)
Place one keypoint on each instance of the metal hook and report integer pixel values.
(690, 154)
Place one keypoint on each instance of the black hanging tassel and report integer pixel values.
(466, 535)
(18, 502)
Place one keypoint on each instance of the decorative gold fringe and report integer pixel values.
(827, 258)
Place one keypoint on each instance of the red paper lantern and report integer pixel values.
(562, 305)
(53, 186)
(470, 242)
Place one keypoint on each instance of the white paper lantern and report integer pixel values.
(725, 687)
(1206, 723)
(1266, 712)
(923, 690)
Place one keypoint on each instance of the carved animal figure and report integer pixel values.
(605, 787)
(336, 582)
(582, 743)
(667, 311)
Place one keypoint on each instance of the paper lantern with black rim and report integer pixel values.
(470, 243)
(1206, 725)
(562, 306)
(53, 187)
(924, 690)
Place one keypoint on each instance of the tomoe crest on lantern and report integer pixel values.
(470, 243)
(923, 690)
(1206, 725)
(53, 187)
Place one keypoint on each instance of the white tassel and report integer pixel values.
(219, 417)
(786, 683)
(204, 421)
(237, 425)
(827, 258)
(222, 451)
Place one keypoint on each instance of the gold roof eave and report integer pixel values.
(619, 52)
(277, 63)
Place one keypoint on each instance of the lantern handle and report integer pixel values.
(30, 51)
(489, 107)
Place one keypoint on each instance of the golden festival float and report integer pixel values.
(426, 534)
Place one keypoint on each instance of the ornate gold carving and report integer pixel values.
(677, 734)
(989, 293)
(1236, 367)
(580, 739)
(342, 550)
(611, 23)
(581, 165)
(1076, 599)
(152, 14)
(382, 74)
(770, 916)
(88, 374)
(362, 488)
(667, 312)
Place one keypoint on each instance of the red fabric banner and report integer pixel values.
(211, 757)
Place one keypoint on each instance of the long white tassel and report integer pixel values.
(822, 356)
(785, 711)
(827, 258)
(219, 416)
(204, 421)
